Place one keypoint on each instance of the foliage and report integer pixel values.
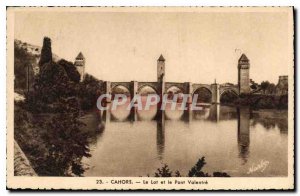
(66, 144)
(196, 171)
(267, 87)
(220, 174)
(89, 91)
(46, 53)
(253, 85)
(263, 101)
(70, 69)
(22, 61)
(58, 142)
(163, 172)
(264, 85)
(61, 80)
(283, 102)
(51, 84)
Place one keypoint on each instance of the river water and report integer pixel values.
(237, 141)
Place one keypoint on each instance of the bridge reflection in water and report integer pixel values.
(207, 113)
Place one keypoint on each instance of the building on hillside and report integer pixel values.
(80, 65)
(282, 86)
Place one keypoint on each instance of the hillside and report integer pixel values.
(26, 54)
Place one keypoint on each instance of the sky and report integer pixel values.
(198, 46)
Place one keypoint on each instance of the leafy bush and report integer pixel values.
(70, 69)
(89, 91)
(196, 171)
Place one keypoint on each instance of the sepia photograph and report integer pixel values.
(159, 98)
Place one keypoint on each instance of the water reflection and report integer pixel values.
(207, 130)
(271, 121)
(160, 133)
(212, 113)
(243, 132)
(208, 113)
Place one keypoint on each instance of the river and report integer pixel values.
(237, 141)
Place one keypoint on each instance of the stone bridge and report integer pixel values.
(135, 87)
(162, 87)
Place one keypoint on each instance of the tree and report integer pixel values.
(70, 69)
(89, 91)
(23, 62)
(253, 85)
(271, 88)
(163, 172)
(50, 85)
(66, 144)
(196, 171)
(46, 53)
(264, 85)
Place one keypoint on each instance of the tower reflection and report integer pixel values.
(187, 115)
(160, 133)
(214, 113)
(133, 114)
(243, 132)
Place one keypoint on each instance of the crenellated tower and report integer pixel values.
(160, 68)
(243, 75)
(80, 65)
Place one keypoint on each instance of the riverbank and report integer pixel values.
(53, 143)
(22, 166)
(258, 101)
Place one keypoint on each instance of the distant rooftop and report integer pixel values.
(161, 58)
(80, 56)
(243, 58)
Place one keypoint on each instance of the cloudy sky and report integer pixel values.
(199, 45)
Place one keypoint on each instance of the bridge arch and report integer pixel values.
(228, 96)
(175, 86)
(181, 86)
(143, 86)
(174, 90)
(120, 89)
(232, 89)
(204, 94)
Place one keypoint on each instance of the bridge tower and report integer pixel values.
(243, 75)
(80, 64)
(215, 93)
(160, 68)
(161, 76)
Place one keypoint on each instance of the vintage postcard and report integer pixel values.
(150, 98)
